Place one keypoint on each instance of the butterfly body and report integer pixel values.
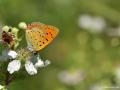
(40, 35)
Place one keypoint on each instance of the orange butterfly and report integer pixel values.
(39, 35)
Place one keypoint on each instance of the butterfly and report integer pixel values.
(39, 35)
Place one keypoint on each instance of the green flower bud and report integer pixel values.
(5, 28)
(22, 25)
(15, 30)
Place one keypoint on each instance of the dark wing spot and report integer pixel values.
(42, 36)
(47, 33)
(46, 39)
(43, 42)
(51, 34)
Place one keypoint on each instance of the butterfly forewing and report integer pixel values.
(40, 35)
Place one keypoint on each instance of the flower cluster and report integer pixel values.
(15, 58)
(31, 62)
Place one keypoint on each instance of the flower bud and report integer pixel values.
(5, 28)
(15, 30)
(22, 25)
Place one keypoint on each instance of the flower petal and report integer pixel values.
(12, 54)
(14, 66)
(47, 62)
(1, 87)
(39, 64)
(30, 68)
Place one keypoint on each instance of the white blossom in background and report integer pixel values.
(71, 78)
(117, 74)
(99, 23)
(30, 68)
(114, 31)
(97, 87)
(93, 24)
(12, 54)
(85, 21)
(13, 66)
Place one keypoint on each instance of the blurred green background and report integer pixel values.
(86, 53)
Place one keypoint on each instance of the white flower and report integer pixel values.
(12, 54)
(22, 25)
(30, 68)
(41, 63)
(14, 66)
(1, 87)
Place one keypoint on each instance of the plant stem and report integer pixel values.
(8, 79)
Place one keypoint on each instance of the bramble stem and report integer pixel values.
(8, 79)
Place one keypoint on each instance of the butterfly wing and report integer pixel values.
(40, 35)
